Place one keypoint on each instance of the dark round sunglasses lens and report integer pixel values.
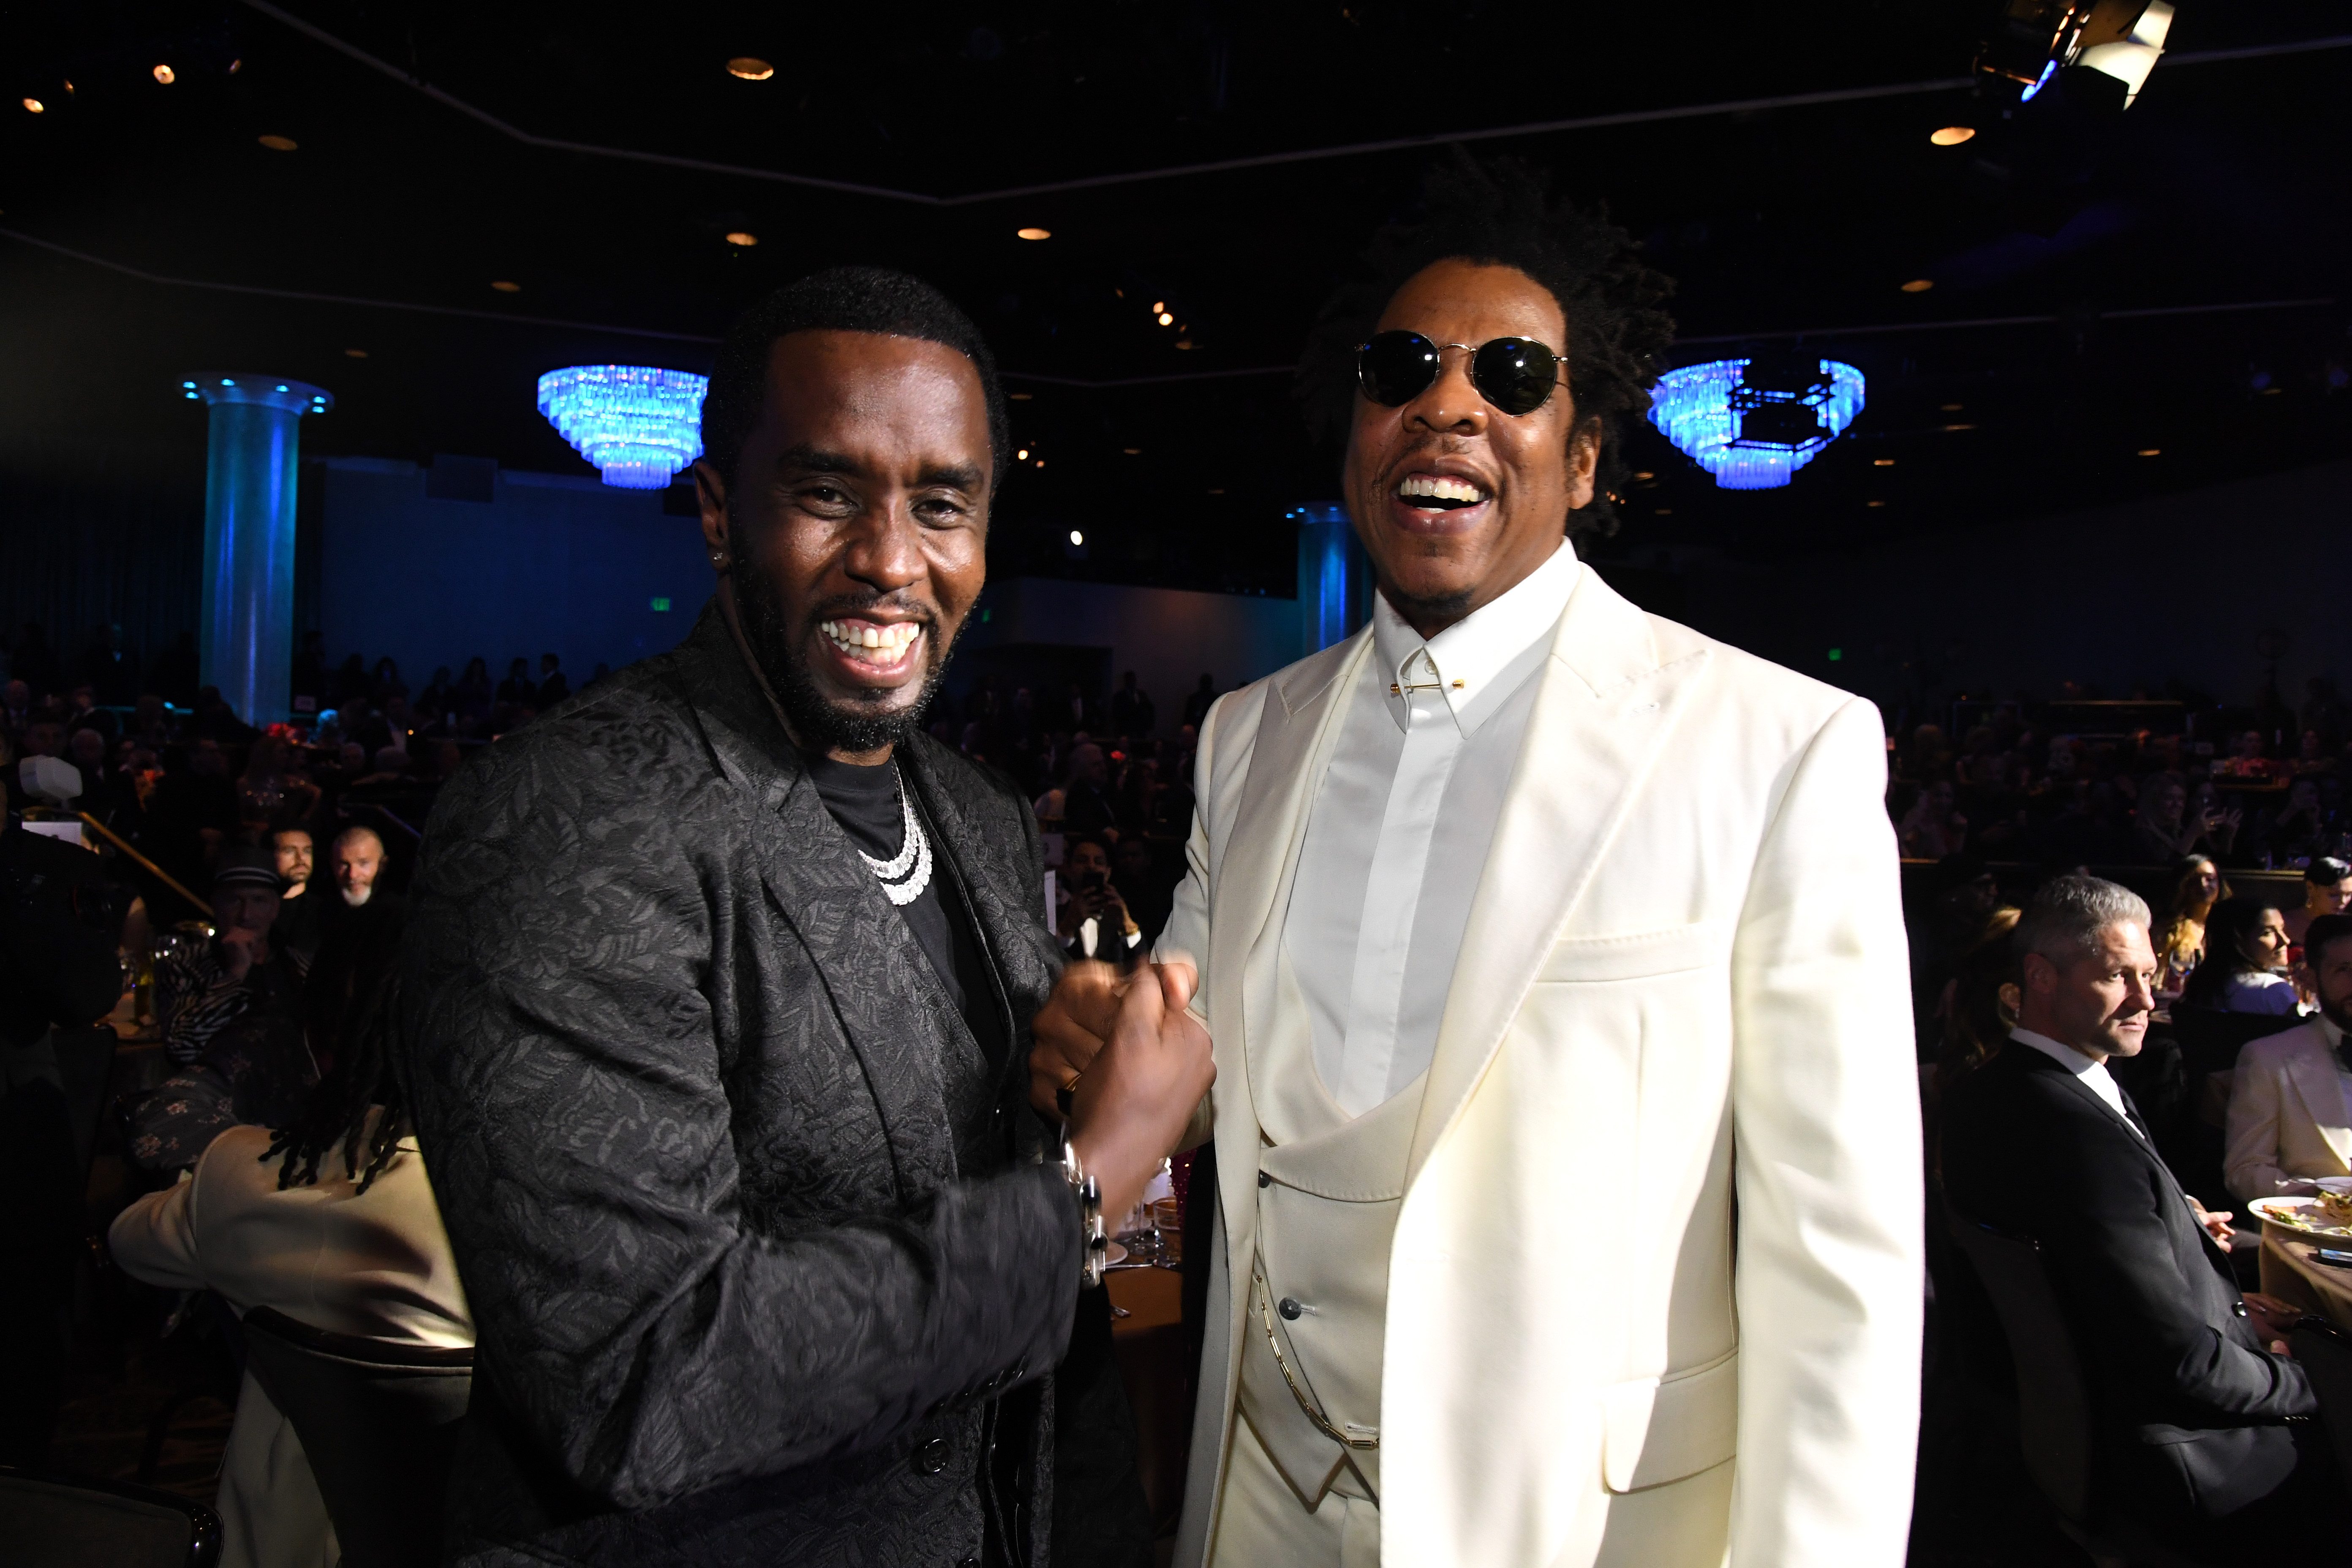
(1396, 367)
(1515, 375)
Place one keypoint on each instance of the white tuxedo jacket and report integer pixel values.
(1683, 981)
(2287, 1115)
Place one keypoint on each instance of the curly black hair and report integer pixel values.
(365, 1077)
(1500, 212)
(843, 299)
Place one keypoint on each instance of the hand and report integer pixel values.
(2272, 1318)
(1069, 1030)
(1139, 1091)
(2216, 1223)
(240, 946)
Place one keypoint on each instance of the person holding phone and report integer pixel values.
(1095, 922)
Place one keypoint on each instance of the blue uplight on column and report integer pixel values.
(1753, 427)
(1333, 579)
(253, 455)
(637, 425)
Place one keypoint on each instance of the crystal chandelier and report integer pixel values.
(637, 425)
(1753, 423)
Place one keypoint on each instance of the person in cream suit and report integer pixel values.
(1519, 907)
(2291, 1104)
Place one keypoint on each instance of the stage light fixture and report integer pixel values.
(1076, 537)
(1952, 135)
(35, 106)
(742, 238)
(1166, 320)
(1034, 233)
(278, 143)
(2036, 39)
(1022, 456)
(506, 286)
(1753, 423)
(355, 353)
(638, 424)
(164, 75)
(1918, 285)
(750, 68)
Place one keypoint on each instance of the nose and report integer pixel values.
(1452, 403)
(885, 552)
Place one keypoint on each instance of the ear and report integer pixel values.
(710, 496)
(1583, 461)
(2041, 975)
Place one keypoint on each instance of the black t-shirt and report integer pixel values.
(865, 802)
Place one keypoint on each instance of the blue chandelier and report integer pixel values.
(637, 425)
(1753, 424)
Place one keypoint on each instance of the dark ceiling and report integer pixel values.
(414, 184)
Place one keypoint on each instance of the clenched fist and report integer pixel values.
(1135, 1062)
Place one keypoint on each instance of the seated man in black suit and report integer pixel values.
(2205, 1426)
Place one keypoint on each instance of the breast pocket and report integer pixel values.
(1636, 955)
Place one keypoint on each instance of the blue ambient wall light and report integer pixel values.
(1753, 423)
(637, 425)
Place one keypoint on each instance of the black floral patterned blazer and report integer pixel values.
(759, 1245)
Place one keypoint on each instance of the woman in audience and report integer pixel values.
(1979, 1002)
(2161, 828)
(332, 1222)
(2245, 962)
(2196, 886)
(2216, 825)
(1933, 827)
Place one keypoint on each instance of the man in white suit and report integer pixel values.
(1518, 907)
(2291, 1105)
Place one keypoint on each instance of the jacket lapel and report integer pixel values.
(1603, 704)
(854, 936)
(2312, 1068)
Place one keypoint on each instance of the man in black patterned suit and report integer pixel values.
(718, 998)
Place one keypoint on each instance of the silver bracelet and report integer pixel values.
(1094, 1239)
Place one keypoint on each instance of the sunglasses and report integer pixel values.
(1515, 374)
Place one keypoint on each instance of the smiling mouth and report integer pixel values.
(884, 645)
(1439, 492)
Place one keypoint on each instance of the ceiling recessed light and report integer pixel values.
(2273, 391)
(163, 74)
(1022, 456)
(278, 143)
(1952, 408)
(1216, 492)
(1166, 320)
(506, 286)
(1882, 462)
(1873, 504)
(1034, 233)
(1183, 343)
(355, 353)
(1021, 396)
(233, 67)
(1077, 538)
(2151, 451)
(1646, 476)
(1158, 306)
(1952, 135)
(739, 237)
(1662, 511)
(1918, 285)
(1041, 462)
(750, 68)
(35, 106)
(1959, 426)
(1132, 451)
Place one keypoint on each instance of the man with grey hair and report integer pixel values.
(2202, 1420)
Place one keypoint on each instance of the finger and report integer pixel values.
(1178, 980)
(1088, 993)
(1143, 1009)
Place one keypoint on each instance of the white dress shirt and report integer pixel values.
(2094, 1074)
(1398, 835)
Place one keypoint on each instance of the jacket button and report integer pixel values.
(2239, 1308)
(932, 1456)
(969, 1562)
(1264, 1180)
(1288, 1306)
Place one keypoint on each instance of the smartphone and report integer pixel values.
(2336, 1256)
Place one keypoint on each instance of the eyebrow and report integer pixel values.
(817, 461)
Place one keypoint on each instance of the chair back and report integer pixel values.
(51, 1521)
(2324, 1352)
(379, 1423)
(2053, 1403)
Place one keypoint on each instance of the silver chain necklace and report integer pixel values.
(906, 874)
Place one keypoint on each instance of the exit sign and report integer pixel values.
(661, 605)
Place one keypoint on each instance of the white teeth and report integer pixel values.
(1440, 486)
(890, 640)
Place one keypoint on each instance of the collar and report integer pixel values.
(1481, 658)
(2064, 1055)
(2329, 1031)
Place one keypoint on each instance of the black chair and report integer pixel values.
(379, 1424)
(2054, 1398)
(2325, 1353)
(51, 1521)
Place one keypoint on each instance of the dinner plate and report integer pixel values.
(2340, 1184)
(2305, 1214)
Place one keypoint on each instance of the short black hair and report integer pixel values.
(2319, 934)
(1500, 213)
(837, 299)
(2326, 871)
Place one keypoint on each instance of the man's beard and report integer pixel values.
(2338, 1012)
(819, 723)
